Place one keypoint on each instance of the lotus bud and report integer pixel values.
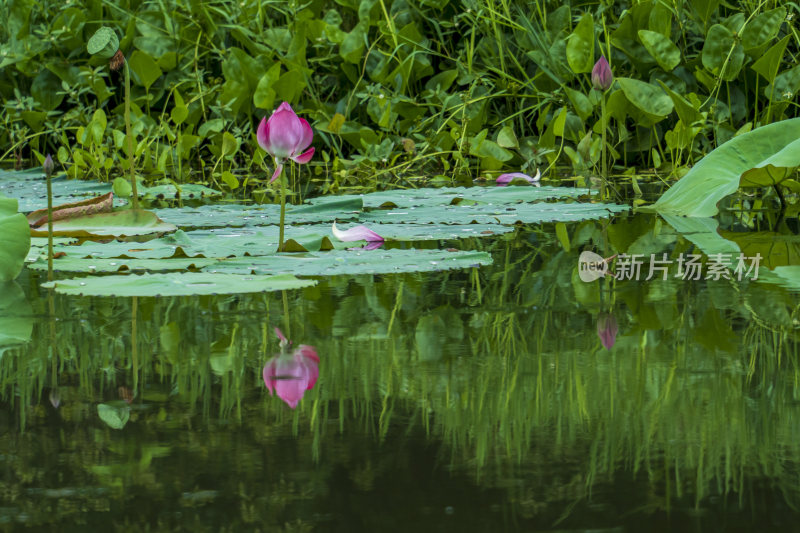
(48, 165)
(602, 78)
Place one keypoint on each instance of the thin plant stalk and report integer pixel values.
(604, 123)
(283, 210)
(49, 227)
(129, 133)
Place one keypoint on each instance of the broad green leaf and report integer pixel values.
(580, 46)
(176, 284)
(768, 64)
(117, 224)
(104, 42)
(180, 112)
(580, 103)
(264, 95)
(121, 187)
(648, 98)
(786, 86)
(705, 8)
(506, 138)
(73, 263)
(721, 48)
(145, 68)
(718, 174)
(230, 180)
(352, 47)
(661, 48)
(773, 169)
(353, 262)
(16, 239)
(115, 416)
(763, 28)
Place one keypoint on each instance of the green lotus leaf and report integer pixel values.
(175, 284)
(758, 157)
(16, 239)
(117, 224)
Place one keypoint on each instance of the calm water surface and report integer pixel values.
(473, 400)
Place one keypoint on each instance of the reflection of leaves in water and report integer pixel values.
(115, 416)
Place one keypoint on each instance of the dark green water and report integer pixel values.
(475, 400)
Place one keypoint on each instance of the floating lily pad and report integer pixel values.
(90, 266)
(175, 284)
(30, 188)
(458, 196)
(117, 224)
(237, 215)
(494, 213)
(354, 262)
(39, 247)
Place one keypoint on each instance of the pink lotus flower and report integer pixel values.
(601, 75)
(505, 179)
(607, 329)
(285, 136)
(290, 375)
(358, 233)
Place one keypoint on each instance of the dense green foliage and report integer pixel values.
(392, 88)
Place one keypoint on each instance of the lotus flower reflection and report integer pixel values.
(290, 375)
(285, 136)
(607, 329)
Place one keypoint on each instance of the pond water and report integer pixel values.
(479, 399)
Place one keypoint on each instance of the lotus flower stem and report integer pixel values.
(129, 133)
(283, 210)
(285, 299)
(48, 170)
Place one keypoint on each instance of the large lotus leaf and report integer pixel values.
(493, 213)
(774, 169)
(222, 242)
(16, 239)
(39, 247)
(237, 215)
(354, 262)
(16, 315)
(718, 174)
(117, 224)
(175, 284)
(30, 188)
(458, 195)
(98, 265)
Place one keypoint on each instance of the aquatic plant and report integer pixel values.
(105, 43)
(285, 136)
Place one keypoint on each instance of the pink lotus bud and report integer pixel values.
(601, 75)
